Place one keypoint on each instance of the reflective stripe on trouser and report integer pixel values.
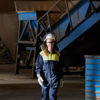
(49, 93)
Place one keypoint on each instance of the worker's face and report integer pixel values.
(50, 43)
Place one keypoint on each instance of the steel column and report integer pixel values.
(26, 47)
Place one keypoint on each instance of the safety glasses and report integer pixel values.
(50, 42)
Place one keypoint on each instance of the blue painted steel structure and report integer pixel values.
(68, 24)
(81, 29)
(82, 17)
(26, 48)
(92, 79)
(85, 20)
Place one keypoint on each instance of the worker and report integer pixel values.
(48, 69)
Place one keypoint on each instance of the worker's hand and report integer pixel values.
(61, 83)
(40, 79)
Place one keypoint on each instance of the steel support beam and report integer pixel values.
(81, 29)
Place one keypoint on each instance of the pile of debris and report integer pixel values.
(5, 55)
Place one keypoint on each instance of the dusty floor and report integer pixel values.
(71, 91)
(23, 87)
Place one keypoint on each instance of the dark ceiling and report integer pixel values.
(7, 6)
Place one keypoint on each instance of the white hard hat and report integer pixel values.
(49, 36)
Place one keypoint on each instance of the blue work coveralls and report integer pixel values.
(48, 66)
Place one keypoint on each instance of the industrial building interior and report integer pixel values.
(23, 26)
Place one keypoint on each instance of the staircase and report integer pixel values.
(71, 19)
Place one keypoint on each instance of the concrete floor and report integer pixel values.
(23, 87)
(69, 91)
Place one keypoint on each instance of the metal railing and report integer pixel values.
(60, 9)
